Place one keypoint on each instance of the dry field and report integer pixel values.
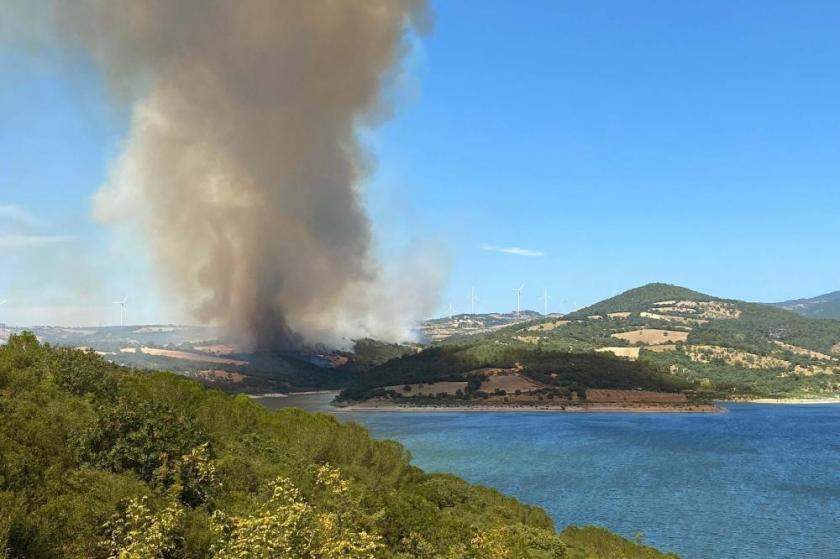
(652, 336)
(430, 389)
(218, 349)
(546, 326)
(674, 319)
(602, 396)
(707, 353)
(528, 339)
(701, 309)
(815, 370)
(631, 353)
(662, 348)
(189, 356)
(510, 383)
(803, 351)
(619, 314)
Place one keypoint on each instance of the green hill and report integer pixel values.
(98, 461)
(642, 298)
(721, 347)
(559, 372)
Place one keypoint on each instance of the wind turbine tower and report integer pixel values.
(545, 298)
(518, 293)
(473, 300)
(451, 310)
(122, 309)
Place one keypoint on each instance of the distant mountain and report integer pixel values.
(823, 306)
(460, 324)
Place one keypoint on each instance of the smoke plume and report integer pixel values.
(243, 166)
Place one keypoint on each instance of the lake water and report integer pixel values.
(762, 481)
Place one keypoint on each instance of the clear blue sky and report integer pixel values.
(626, 142)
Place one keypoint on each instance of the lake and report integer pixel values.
(761, 481)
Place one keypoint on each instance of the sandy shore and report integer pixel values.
(821, 401)
(287, 394)
(584, 408)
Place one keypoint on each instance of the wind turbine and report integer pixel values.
(473, 300)
(451, 310)
(518, 293)
(545, 298)
(122, 309)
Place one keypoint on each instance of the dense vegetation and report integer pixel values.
(368, 353)
(99, 461)
(723, 380)
(565, 371)
(760, 324)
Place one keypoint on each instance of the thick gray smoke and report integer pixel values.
(243, 168)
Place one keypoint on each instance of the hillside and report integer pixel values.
(482, 375)
(100, 461)
(468, 324)
(719, 346)
(823, 306)
(641, 299)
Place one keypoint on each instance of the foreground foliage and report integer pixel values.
(97, 461)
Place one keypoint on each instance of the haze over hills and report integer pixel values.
(822, 306)
(698, 341)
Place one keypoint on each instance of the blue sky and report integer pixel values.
(617, 143)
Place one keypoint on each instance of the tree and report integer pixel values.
(141, 437)
(287, 525)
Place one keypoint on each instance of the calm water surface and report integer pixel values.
(762, 481)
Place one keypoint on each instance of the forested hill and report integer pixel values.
(98, 461)
(480, 367)
(641, 298)
(719, 347)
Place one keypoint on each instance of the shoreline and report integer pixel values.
(787, 401)
(287, 394)
(596, 408)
